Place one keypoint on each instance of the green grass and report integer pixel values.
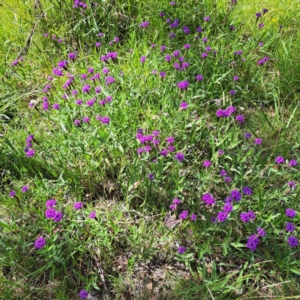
(130, 250)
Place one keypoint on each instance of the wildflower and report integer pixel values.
(151, 176)
(170, 140)
(30, 153)
(289, 226)
(179, 156)
(161, 14)
(222, 216)
(245, 217)
(183, 215)
(163, 47)
(50, 203)
(187, 46)
(184, 105)
(227, 179)
(258, 15)
(164, 152)
(293, 163)
(220, 152)
(292, 184)
(231, 27)
(181, 249)
(155, 132)
(290, 213)
(206, 163)
(206, 18)
(240, 118)
(58, 216)
(204, 55)
(172, 35)
(143, 58)
(83, 294)
(116, 39)
(78, 205)
(12, 194)
(253, 241)
(236, 195)
(92, 215)
(97, 44)
(228, 208)
(72, 56)
(193, 217)
(223, 173)
(86, 88)
(76, 122)
(199, 77)
(25, 189)
(279, 160)
(261, 25)
(50, 213)
(183, 84)
(208, 199)
(293, 241)
(247, 135)
(258, 141)
(162, 74)
(175, 203)
(39, 243)
(265, 10)
(261, 231)
(109, 80)
(168, 57)
(144, 24)
(247, 190)
(97, 89)
(260, 44)
(232, 92)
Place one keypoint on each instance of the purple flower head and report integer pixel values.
(258, 15)
(83, 294)
(172, 35)
(183, 215)
(181, 249)
(186, 30)
(144, 24)
(232, 92)
(50, 213)
(247, 190)
(204, 55)
(199, 77)
(261, 25)
(279, 160)
(164, 152)
(187, 46)
(260, 44)
(290, 213)
(161, 14)
(109, 80)
(86, 88)
(253, 241)
(227, 208)
(222, 216)
(236, 195)
(50, 203)
(143, 58)
(170, 139)
(97, 44)
(171, 148)
(258, 141)
(25, 189)
(231, 27)
(293, 163)
(208, 199)
(247, 135)
(105, 120)
(265, 10)
(72, 56)
(12, 194)
(206, 163)
(116, 39)
(293, 241)
(292, 184)
(179, 156)
(240, 118)
(193, 217)
(30, 153)
(58, 216)
(183, 105)
(168, 57)
(289, 226)
(55, 106)
(220, 152)
(92, 215)
(151, 176)
(227, 179)
(223, 173)
(97, 89)
(261, 231)
(183, 84)
(236, 78)
(205, 40)
(40, 243)
(207, 18)
(78, 205)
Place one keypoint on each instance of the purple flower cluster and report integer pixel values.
(226, 112)
(39, 243)
(51, 213)
(29, 148)
(247, 217)
(174, 204)
(208, 199)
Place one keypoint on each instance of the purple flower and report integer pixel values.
(265, 10)
(228, 208)
(187, 46)
(292, 184)
(204, 55)
(279, 160)
(86, 88)
(183, 84)
(258, 141)
(105, 120)
(86, 119)
(30, 153)
(293, 241)
(207, 18)
(261, 25)
(227, 179)
(143, 58)
(25, 189)
(223, 173)
(181, 249)
(245, 217)
(290, 213)
(92, 215)
(258, 15)
(247, 190)
(184, 105)
(12, 194)
(240, 118)
(77, 122)
(293, 163)
(97, 44)
(289, 226)
(168, 57)
(222, 216)
(206, 163)
(161, 14)
(72, 56)
(83, 294)
(261, 231)
(183, 215)
(193, 217)
(39, 243)
(162, 74)
(170, 140)
(232, 92)
(260, 44)
(199, 77)
(98, 89)
(109, 80)
(144, 24)
(247, 135)
(50, 203)
(151, 176)
(78, 205)
(208, 199)
(164, 152)
(50, 213)
(253, 241)
(235, 78)
(236, 195)
(58, 216)
(179, 156)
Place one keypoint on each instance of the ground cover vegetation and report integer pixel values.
(149, 149)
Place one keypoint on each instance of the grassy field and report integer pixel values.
(149, 150)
